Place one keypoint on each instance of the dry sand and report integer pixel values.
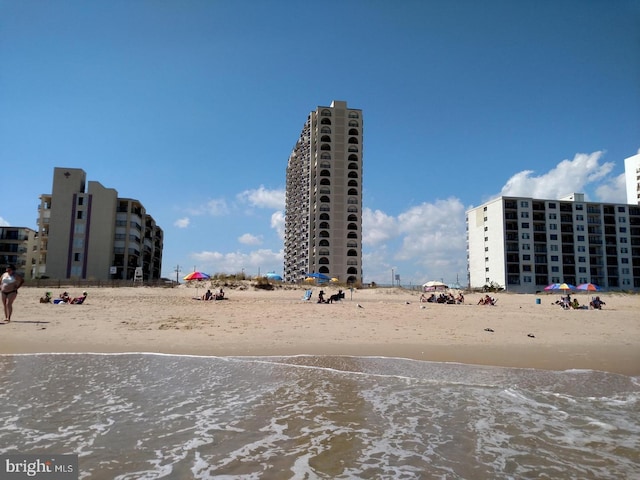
(376, 322)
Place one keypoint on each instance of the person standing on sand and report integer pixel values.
(10, 282)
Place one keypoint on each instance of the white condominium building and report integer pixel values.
(323, 214)
(525, 244)
(632, 177)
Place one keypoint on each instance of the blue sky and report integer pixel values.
(192, 107)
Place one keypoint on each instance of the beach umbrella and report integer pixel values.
(560, 286)
(196, 276)
(274, 276)
(193, 276)
(588, 287)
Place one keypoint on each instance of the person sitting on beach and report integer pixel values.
(423, 298)
(208, 295)
(574, 304)
(220, 295)
(321, 297)
(79, 300)
(460, 298)
(596, 303)
(487, 300)
(46, 298)
(64, 297)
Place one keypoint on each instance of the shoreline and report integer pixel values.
(389, 323)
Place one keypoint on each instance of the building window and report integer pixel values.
(525, 236)
(624, 250)
(524, 204)
(526, 246)
(76, 257)
(580, 218)
(554, 258)
(524, 225)
(524, 214)
(582, 259)
(553, 226)
(623, 229)
(553, 248)
(579, 206)
(526, 268)
(553, 236)
(624, 260)
(581, 238)
(526, 279)
(582, 270)
(555, 269)
(79, 214)
(80, 200)
(552, 205)
(526, 258)
(325, 113)
(354, 115)
(622, 220)
(582, 248)
(621, 209)
(553, 216)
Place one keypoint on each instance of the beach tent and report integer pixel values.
(317, 277)
(434, 285)
(274, 276)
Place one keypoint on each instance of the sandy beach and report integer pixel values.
(388, 322)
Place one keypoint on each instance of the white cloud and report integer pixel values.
(182, 222)
(614, 191)
(277, 223)
(248, 239)
(569, 176)
(377, 227)
(252, 263)
(215, 207)
(4, 223)
(430, 238)
(263, 198)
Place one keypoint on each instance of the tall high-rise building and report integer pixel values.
(632, 178)
(85, 231)
(524, 244)
(323, 215)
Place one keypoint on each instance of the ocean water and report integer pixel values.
(147, 416)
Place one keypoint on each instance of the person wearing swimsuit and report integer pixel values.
(10, 282)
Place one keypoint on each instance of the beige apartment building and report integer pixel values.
(323, 213)
(85, 231)
(17, 247)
